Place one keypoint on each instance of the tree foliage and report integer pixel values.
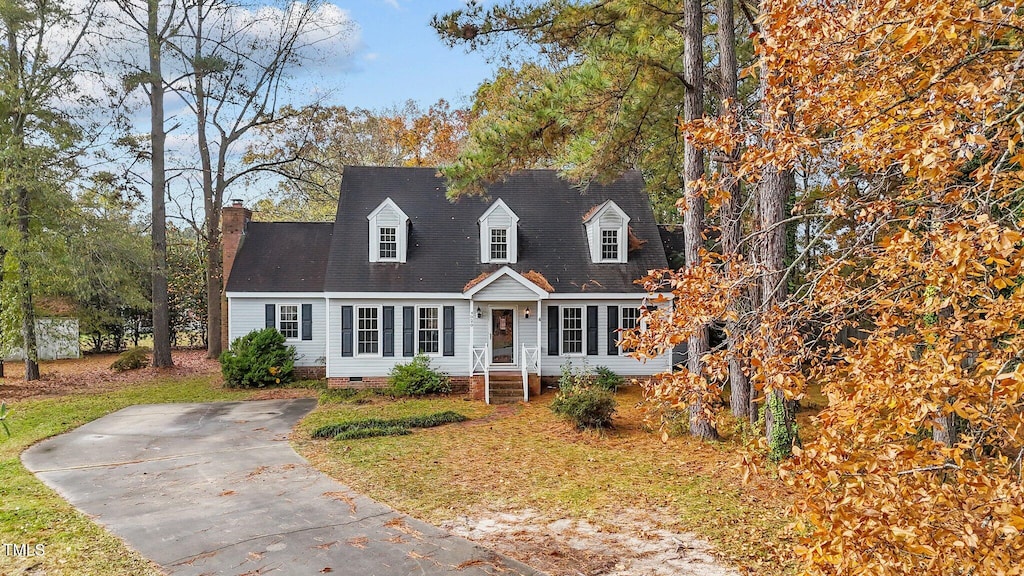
(313, 145)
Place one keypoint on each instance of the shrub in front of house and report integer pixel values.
(257, 360)
(606, 379)
(417, 378)
(131, 359)
(582, 401)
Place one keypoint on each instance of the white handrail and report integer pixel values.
(531, 362)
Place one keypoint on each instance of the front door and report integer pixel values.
(503, 343)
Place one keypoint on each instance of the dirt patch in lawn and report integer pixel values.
(627, 543)
(93, 374)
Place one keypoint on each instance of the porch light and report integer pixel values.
(527, 313)
(479, 313)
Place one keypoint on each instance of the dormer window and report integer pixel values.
(607, 225)
(499, 227)
(389, 233)
(499, 244)
(609, 244)
(388, 243)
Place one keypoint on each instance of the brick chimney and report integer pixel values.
(234, 219)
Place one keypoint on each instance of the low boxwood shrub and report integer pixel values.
(131, 359)
(357, 433)
(258, 359)
(417, 378)
(340, 429)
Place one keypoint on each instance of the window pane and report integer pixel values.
(630, 320)
(388, 242)
(572, 330)
(429, 336)
(609, 244)
(368, 335)
(499, 244)
(289, 321)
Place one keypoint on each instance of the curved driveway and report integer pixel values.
(216, 489)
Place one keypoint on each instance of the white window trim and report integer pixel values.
(380, 242)
(380, 332)
(618, 244)
(440, 331)
(562, 331)
(642, 324)
(298, 321)
(508, 245)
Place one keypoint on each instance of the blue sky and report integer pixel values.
(398, 56)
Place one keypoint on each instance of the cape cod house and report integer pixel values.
(497, 291)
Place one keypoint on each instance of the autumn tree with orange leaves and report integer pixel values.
(912, 113)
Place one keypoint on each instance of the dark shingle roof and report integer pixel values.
(444, 244)
(282, 257)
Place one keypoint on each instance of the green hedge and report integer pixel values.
(339, 430)
(258, 359)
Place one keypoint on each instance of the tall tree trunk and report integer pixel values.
(161, 314)
(212, 198)
(773, 191)
(739, 386)
(3, 257)
(693, 169)
(28, 314)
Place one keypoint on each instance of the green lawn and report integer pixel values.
(31, 513)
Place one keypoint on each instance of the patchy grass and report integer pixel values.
(522, 457)
(31, 513)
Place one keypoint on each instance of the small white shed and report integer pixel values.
(57, 338)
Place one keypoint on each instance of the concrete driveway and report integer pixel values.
(216, 489)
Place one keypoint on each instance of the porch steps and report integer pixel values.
(506, 387)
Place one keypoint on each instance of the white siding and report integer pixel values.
(248, 314)
(621, 363)
(506, 288)
(378, 365)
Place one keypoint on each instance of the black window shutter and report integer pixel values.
(346, 330)
(388, 347)
(613, 326)
(408, 342)
(552, 330)
(271, 313)
(449, 330)
(307, 321)
(591, 330)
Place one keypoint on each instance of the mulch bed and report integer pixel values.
(92, 373)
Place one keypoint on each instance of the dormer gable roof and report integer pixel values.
(498, 205)
(388, 203)
(597, 212)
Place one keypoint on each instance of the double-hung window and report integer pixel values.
(499, 244)
(429, 332)
(630, 320)
(368, 331)
(572, 330)
(609, 244)
(288, 320)
(388, 243)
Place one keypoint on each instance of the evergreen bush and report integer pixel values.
(258, 359)
(417, 378)
(131, 359)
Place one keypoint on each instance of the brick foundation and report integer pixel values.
(310, 372)
(460, 384)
